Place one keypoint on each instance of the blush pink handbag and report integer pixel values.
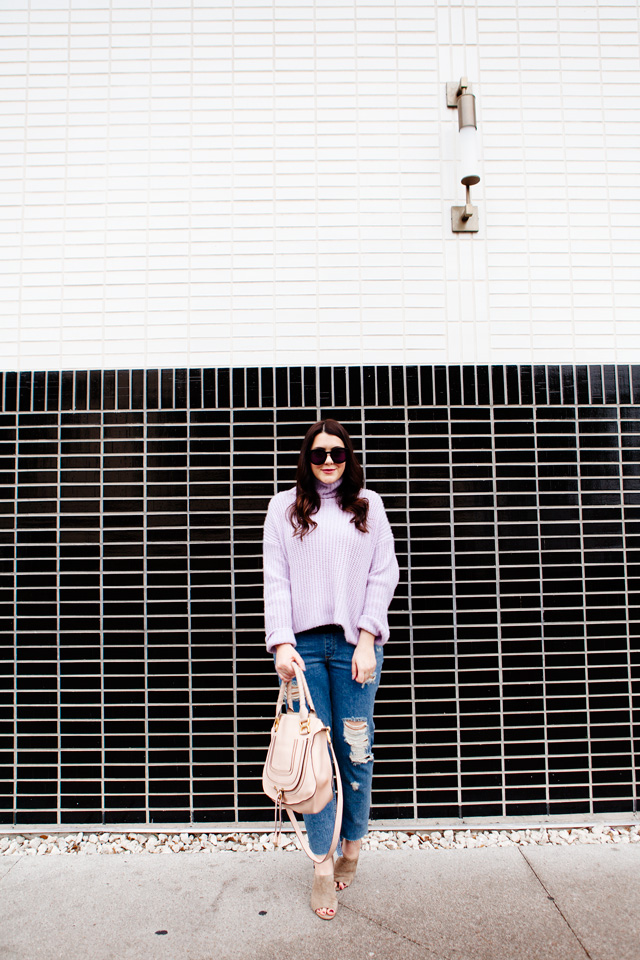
(298, 772)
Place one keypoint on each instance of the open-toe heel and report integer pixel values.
(323, 896)
(345, 871)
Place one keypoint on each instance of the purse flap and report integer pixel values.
(287, 753)
(289, 760)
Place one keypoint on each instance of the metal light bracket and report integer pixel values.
(465, 219)
(455, 89)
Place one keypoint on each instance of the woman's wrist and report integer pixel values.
(366, 638)
(284, 650)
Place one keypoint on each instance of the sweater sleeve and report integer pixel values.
(277, 585)
(382, 581)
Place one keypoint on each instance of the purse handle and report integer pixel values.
(305, 695)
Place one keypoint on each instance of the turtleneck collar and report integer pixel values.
(328, 489)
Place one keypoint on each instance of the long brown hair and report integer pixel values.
(307, 500)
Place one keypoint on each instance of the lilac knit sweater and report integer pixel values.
(335, 574)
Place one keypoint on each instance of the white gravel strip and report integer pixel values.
(166, 843)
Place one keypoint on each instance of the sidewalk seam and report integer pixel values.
(383, 926)
(553, 900)
(19, 859)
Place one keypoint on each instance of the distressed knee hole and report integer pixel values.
(356, 734)
(355, 785)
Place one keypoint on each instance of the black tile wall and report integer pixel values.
(134, 682)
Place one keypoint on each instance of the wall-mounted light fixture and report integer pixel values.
(465, 219)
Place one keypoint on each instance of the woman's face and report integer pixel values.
(328, 472)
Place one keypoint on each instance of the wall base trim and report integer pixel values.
(558, 822)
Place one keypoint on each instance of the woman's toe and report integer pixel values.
(324, 902)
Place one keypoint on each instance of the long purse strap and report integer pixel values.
(304, 694)
(336, 827)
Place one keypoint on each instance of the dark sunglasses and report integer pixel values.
(319, 456)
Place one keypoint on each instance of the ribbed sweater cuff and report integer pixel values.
(281, 635)
(371, 626)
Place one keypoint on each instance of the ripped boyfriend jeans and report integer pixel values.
(346, 707)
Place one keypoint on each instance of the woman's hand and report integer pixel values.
(286, 654)
(364, 663)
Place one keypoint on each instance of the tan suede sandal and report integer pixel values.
(345, 871)
(323, 896)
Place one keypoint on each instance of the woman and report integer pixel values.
(330, 571)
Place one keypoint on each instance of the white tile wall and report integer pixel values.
(213, 182)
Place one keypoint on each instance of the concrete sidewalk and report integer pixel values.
(537, 903)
